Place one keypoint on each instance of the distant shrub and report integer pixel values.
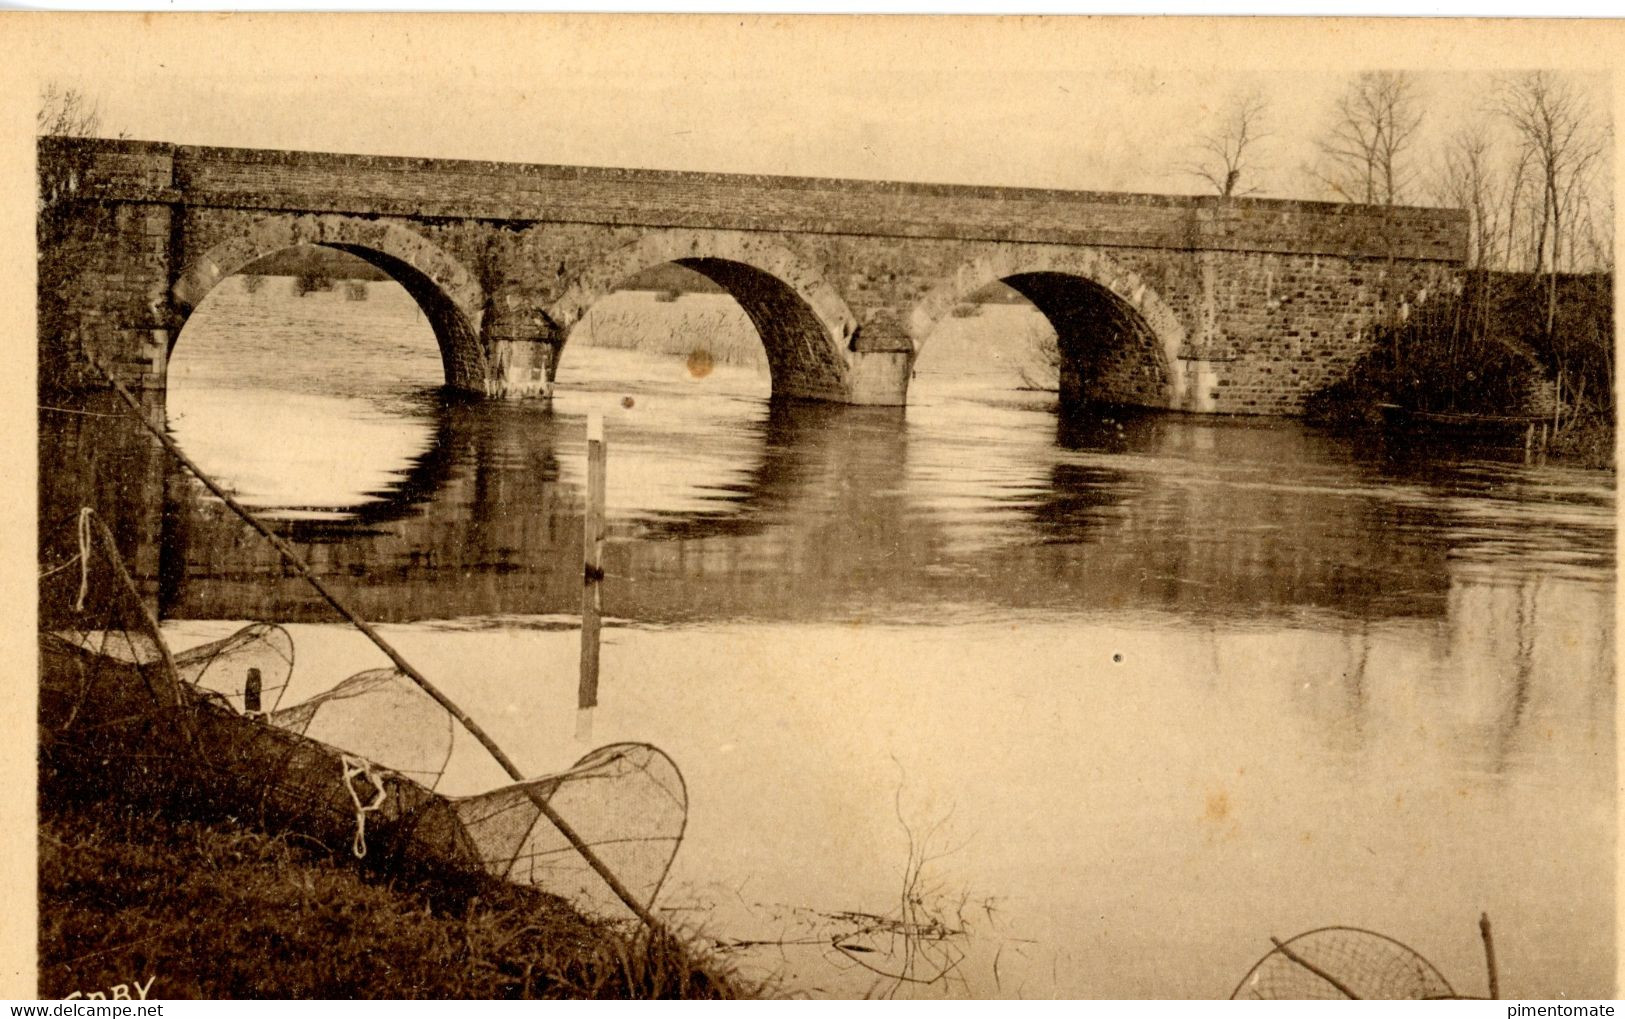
(307, 282)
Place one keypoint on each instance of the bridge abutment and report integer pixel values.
(104, 276)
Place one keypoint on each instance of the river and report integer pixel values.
(1118, 700)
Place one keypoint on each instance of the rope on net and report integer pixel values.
(353, 768)
(82, 559)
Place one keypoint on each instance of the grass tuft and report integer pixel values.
(214, 910)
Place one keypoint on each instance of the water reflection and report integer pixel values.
(821, 511)
(793, 452)
(1186, 683)
(328, 457)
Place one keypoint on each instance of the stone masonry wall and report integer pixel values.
(1259, 301)
(438, 189)
(1287, 325)
(104, 287)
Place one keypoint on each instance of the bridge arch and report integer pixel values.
(804, 324)
(450, 297)
(1119, 341)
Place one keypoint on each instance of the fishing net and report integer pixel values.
(355, 766)
(113, 711)
(250, 668)
(1343, 962)
(635, 833)
(381, 716)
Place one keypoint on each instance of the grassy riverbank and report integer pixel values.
(211, 909)
(1587, 444)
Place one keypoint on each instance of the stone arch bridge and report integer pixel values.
(1201, 304)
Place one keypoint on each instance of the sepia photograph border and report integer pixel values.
(395, 47)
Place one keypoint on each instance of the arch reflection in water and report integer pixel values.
(488, 521)
(296, 455)
(795, 511)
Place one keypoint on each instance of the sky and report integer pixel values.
(1042, 102)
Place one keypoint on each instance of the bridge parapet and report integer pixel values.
(540, 193)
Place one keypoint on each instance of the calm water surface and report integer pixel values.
(1147, 691)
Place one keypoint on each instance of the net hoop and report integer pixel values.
(1411, 955)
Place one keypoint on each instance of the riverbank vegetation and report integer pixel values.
(209, 907)
(1486, 350)
(712, 327)
(1528, 328)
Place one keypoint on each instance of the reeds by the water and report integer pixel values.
(694, 325)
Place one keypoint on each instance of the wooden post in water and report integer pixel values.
(1489, 954)
(592, 575)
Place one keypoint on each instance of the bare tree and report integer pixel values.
(1365, 153)
(63, 112)
(1467, 179)
(67, 112)
(1597, 239)
(1226, 153)
(1517, 192)
(1558, 138)
(1588, 186)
